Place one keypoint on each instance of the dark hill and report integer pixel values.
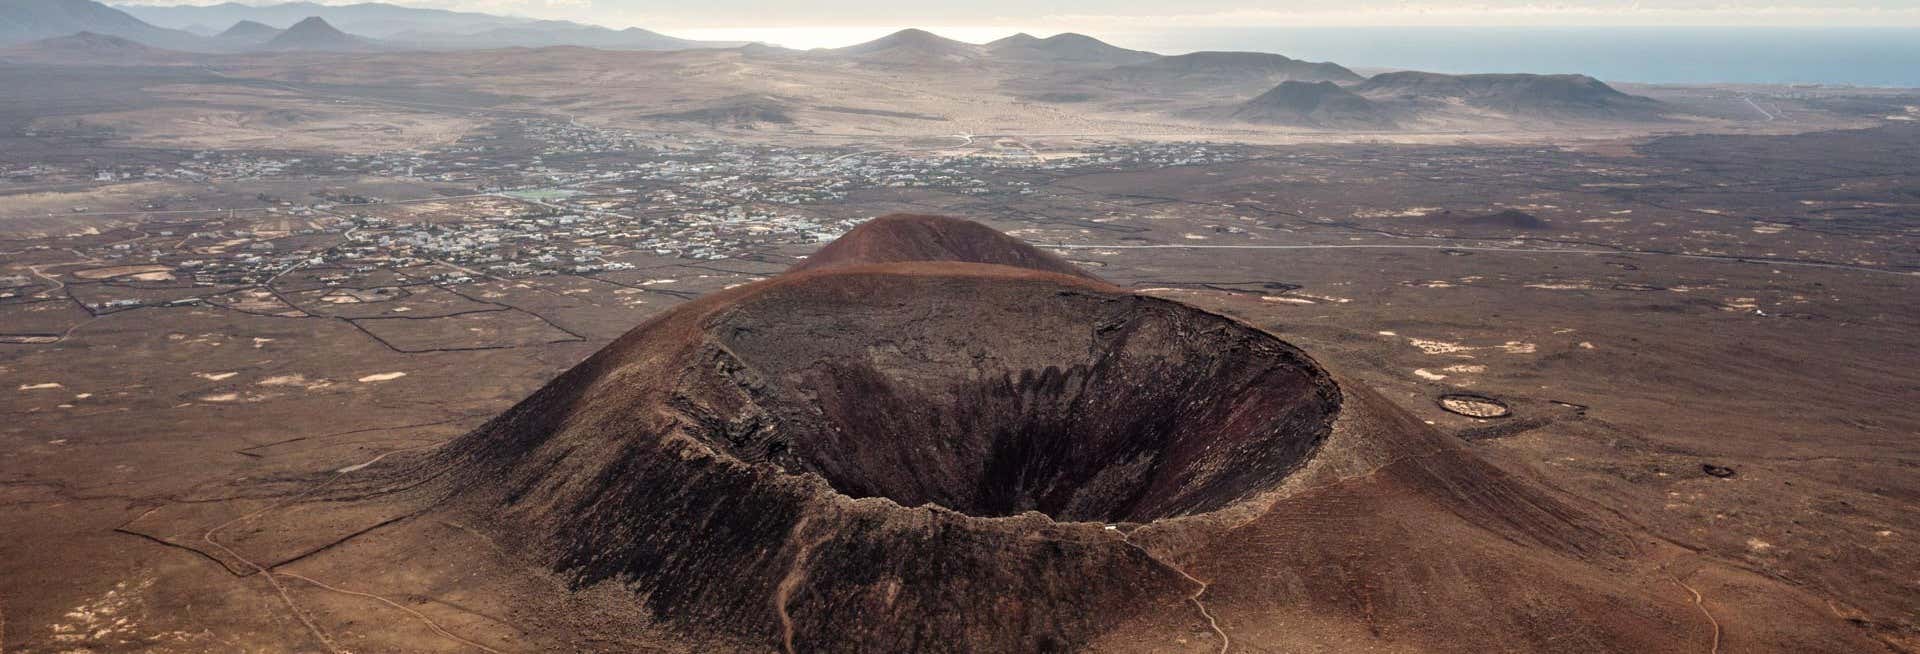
(250, 31)
(25, 21)
(1016, 40)
(315, 35)
(1066, 47)
(911, 46)
(1238, 66)
(1520, 95)
(89, 49)
(908, 237)
(1314, 104)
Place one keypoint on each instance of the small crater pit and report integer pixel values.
(995, 397)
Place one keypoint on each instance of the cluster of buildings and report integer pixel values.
(586, 200)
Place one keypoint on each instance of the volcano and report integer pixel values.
(1314, 104)
(932, 437)
(911, 46)
(314, 34)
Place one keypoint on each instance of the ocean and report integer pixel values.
(1677, 55)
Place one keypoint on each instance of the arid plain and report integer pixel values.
(232, 287)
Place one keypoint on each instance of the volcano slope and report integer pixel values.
(933, 437)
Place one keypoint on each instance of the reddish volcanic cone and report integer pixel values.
(934, 437)
(899, 238)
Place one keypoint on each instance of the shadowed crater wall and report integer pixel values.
(992, 397)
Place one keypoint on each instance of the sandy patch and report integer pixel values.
(40, 386)
(380, 377)
(140, 272)
(1431, 346)
(1409, 212)
(295, 380)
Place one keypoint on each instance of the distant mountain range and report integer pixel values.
(1063, 68)
(22, 21)
(1067, 47)
(96, 49)
(369, 19)
(232, 27)
(915, 46)
(548, 33)
(417, 28)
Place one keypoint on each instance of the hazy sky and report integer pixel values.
(837, 22)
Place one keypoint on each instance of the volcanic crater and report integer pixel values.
(993, 397)
(931, 436)
(925, 410)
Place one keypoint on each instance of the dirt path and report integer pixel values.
(1225, 642)
(795, 575)
(272, 576)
